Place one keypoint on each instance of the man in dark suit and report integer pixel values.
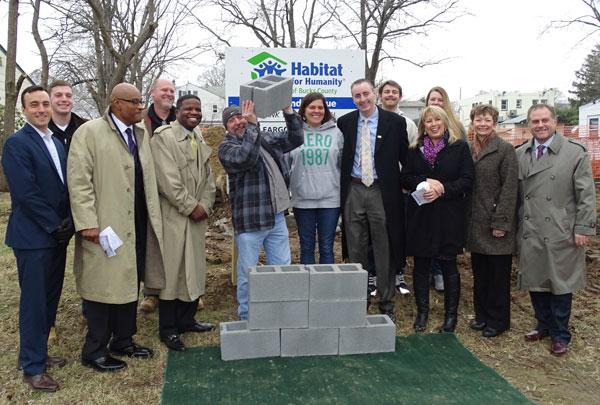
(375, 141)
(39, 229)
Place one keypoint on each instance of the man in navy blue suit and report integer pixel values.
(39, 229)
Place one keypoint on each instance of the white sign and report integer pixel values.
(326, 71)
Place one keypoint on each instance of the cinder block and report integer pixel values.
(269, 93)
(377, 336)
(336, 314)
(238, 342)
(309, 342)
(277, 315)
(338, 282)
(278, 283)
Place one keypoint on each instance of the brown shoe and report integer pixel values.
(148, 304)
(41, 382)
(536, 335)
(559, 348)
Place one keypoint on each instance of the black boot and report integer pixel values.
(421, 288)
(451, 296)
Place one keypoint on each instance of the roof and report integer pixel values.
(416, 103)
(519, 119)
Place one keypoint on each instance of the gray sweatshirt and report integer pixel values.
(315, 168)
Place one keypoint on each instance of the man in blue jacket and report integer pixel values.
(39, 229)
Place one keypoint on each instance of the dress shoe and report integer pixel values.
(476, 325)
(173, 342)
(105, 363)
(490, 332)
(149, 304)
(133, 351)
(536, 335)
(559, 348)
(41, 382)
(198, 327)
(59, 362)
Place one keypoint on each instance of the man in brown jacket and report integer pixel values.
(187, 193)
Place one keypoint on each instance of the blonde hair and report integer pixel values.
(454, 123)
(435, 112)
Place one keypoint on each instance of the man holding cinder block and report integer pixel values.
(258, 177)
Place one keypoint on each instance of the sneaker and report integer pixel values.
(401, 285)
(438, 282)
(149, 304)
(372, 286)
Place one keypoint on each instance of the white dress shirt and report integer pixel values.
(51, 146)
(122, 127)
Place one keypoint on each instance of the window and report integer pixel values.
(519, 103)
(534, 101)
(215, 108)
(544, 101)
(593, 127)
(195, 93)
(489, 102)
(504, 105)
(181, 93)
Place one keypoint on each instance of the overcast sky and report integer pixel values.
(500, 46)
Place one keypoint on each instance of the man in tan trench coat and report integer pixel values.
(187, 193)
(112, 183)
(557, 213)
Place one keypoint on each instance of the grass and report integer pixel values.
(543, 378)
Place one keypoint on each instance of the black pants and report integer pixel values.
(552, 313)
(491, 289)
(175, 315)
(423, 265)
(114, 323)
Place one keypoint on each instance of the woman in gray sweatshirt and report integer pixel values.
(315, 180)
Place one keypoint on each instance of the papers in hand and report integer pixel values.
(110, 241)
(419, 193)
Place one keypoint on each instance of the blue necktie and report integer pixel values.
(131, 143)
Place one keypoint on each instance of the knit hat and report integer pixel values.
(230, 112)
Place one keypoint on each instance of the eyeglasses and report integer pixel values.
(134, 101)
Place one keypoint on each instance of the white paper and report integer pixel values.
(419, 193)
(110, 241)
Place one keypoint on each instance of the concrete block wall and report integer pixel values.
(305, 311)
(269, 93)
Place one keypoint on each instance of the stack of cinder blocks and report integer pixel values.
(301, 310)
(269, 94)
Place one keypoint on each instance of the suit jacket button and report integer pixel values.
(548, 198)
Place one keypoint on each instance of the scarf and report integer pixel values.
(430, 151)
(479, 144)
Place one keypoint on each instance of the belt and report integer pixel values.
(358, 180)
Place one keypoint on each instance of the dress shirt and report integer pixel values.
(546, 144)
(122, 127)
(373, 120)
(51, 146)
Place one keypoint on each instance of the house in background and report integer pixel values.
(26, 83)
(589, 117)
(510, 104)
(412, 109)
(212, 99)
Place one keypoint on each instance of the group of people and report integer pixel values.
(423, 191)
(135, 194)
(135, 187)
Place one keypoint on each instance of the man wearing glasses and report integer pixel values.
(112, 186)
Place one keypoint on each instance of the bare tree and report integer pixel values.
(215, 76)
(381, 26)
(36, 4)
(590, 21)
(274, 23)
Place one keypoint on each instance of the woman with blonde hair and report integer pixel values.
(439, 165)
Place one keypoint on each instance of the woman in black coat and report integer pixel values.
(439, 164)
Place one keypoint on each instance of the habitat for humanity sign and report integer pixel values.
(326, 71)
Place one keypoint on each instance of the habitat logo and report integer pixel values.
(266, 64)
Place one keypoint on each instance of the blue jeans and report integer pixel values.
(277, 249)
(316, 220)
(552, 313)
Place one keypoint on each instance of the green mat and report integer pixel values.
(425, 369)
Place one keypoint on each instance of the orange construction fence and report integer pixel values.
(588, 136)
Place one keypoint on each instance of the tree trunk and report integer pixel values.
(10, 84)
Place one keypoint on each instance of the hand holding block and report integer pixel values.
(269, 94)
